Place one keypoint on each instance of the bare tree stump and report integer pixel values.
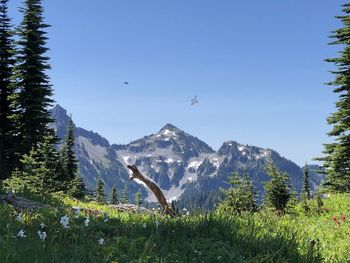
(136, 174)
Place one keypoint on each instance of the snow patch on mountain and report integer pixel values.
(167, 132)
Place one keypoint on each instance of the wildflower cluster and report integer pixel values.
(64, 222)
(340, 220)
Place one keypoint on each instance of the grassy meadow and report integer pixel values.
(126, 237)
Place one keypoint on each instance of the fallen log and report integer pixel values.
(136, 174)
(21, 203)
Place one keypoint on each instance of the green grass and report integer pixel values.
(262, 237)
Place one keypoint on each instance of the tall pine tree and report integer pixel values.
(100, 191)
(306, 185)
(125, 196)
(35, 92)
(337, 154)
(277, 190)
(7, 127)
(138, 198)
(114, 195)
(240, 197)
(40, 168)
(68, 158)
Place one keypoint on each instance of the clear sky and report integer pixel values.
(256, 66)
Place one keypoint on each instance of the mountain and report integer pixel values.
(182, 165)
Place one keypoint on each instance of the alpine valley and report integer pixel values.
(186, 168)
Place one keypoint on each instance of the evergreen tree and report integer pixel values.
(337, 154)
(319, 202)
(114, 195)
(293, 201)
(248, 194)
(78, 189)
(174, 206)
(39, 169)
(7, 126)
(68, 158)
(49, 158)
(240, 197)
(306, 186)
(277, 191)
(125, 197)
(34, 97)
(138, 198)
(100, 192)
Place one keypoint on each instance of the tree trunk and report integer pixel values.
(136, 174)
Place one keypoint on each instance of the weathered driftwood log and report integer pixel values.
(21, 203)
(136, 174)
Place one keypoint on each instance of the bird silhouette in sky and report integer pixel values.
(126, 83)
(194, 101)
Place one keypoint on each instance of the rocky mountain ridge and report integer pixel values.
(180, 163)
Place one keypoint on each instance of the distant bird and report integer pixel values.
(126, 83)
(194, 101)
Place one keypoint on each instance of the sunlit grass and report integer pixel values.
(262, 237)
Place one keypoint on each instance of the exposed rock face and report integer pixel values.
(179, 163)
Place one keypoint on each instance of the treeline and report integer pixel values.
(114, 197)
(29, 155)
(279, 194)
(241, 196)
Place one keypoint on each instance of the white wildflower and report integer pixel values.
(106, 219)
(42, 225)
(144, 225)
(19, 217)
(87, 221)
(65, 221)
(77, 211)
(21, 234)
(42, 235)
(101, 241)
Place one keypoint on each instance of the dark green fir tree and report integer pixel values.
(114, 195)
(7, 92)
(248, 194)
(277, 190)
(68, 158)
(40, 168)
(306, 192)
(77, 188)
(337, 154)
(125, 196)
(240, 197)
(100, 191)
(35, 91)
(138, 198)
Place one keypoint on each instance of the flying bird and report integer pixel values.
(194, 101)
(126, 83)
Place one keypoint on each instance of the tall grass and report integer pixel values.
(259, 237)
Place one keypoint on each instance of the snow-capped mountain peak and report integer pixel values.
(178, 162)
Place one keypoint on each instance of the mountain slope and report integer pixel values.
(183, 165)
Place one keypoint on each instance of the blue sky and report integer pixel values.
(256, 66)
